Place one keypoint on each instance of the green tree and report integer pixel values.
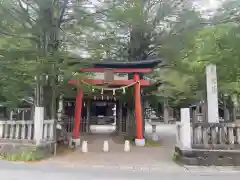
(36, 32)
(140, 30)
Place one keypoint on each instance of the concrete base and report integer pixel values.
(140, 142)
(76, 142)
(207, 157)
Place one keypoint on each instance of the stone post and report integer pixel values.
(154, 132)
(212, 94)
(38, 124)
(60, 108)
(166, 111)
(185, 133)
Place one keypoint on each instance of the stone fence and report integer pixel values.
(19, 130)
(209, 136)
(216, 135)
(207, 143)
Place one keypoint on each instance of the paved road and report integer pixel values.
(9, 171)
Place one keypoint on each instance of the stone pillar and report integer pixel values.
(165, 111)
(38, 124)
(60, 108)
(185, 132)
(212, 94)
(11, 115)
(154, 132)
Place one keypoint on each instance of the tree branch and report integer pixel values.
(65, 3)
(17, 36)
(30, 5)
(25, 11)
(68, 19)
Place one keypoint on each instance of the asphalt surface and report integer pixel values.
(20, 171)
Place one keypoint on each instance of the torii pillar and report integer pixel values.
(77, 117)
(139, 141)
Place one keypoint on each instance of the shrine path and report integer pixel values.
(139, 156)
(140, 159)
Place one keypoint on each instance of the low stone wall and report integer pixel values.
(200, 157)
(25, 152)
(207, 144)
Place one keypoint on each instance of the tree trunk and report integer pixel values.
(225, 109)
(232, 109)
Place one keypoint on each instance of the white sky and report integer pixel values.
(214, 3)
(201, 4)
(209, 4)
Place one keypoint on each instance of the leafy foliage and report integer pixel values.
(140, 30)
(34, 43)
(39, 38)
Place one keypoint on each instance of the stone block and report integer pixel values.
(140, 142)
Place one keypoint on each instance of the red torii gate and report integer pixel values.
(120, 67)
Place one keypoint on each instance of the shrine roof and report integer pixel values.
(132, 64)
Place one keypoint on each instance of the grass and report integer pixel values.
(63, 149)
(148, 142)
(151, 143)
(26, 155)
(175, 156)
(32, 154)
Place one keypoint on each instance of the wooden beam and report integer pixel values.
(115, 82)
(119, 70)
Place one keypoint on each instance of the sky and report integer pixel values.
(209, 4)
(202, 4)
(214, 3)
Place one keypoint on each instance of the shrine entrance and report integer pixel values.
(112, 100)
(98, 116)
(102, 117)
